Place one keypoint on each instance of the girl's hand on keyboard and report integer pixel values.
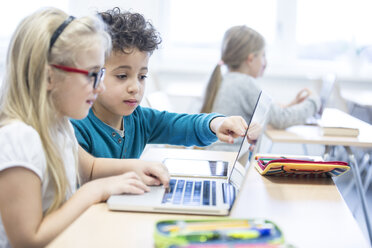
(129, 183)
(151, 173)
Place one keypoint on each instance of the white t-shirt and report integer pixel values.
(20, 145)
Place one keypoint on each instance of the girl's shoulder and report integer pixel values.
(21, 146)
(240, 79)
(19, 135)
(16, 128)
(240, 84)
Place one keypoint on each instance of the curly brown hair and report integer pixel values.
(130, 30)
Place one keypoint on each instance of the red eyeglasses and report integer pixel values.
(97, 76)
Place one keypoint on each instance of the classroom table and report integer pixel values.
(311, 134)
(310, 212)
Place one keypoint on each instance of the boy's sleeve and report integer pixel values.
(204, 130)
(82, 135)
(179, 129)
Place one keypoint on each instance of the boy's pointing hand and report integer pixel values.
(228, 128)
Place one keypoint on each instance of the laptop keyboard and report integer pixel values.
(196, 192)
(229, 193)
(191, 192)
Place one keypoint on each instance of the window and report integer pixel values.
(333, 30)
(12, 13)
(195, 28)
(203, 23)
(319, 35)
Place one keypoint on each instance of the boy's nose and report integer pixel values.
(134, 87)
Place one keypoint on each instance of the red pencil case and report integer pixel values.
(272, 166)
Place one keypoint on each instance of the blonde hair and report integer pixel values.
(25, 96)
(238, 43)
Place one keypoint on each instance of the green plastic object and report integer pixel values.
(221, 232)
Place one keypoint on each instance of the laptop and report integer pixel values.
(198, 195)
(328, 83)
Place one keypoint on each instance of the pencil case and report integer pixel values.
(290, 167)
(222, 232)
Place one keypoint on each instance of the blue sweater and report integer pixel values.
(143, 126)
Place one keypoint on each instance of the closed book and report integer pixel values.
(336, 123)
(339, 131)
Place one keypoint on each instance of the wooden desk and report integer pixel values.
(312, 135)
(310, 212)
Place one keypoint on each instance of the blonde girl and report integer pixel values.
(235, 93)
(54, 70)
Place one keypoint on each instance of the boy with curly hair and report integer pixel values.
(117, 126)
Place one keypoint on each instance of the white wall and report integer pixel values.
(149, 8)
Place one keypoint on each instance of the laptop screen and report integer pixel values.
(328, 82)
(256, 123)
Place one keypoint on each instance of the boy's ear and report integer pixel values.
(50, 78)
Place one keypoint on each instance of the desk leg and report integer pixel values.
(368, 178)
(327, 151)
(362, 165)
(306, 152)
(271, 144)
(359, 186)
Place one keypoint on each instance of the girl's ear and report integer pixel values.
(51, 78)
(250, 58)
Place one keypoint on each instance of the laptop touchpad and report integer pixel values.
(149, 198)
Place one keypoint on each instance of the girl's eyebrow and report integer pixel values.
(91, 68)
(97, 67)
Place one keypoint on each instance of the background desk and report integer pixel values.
(310, 212)
(312, 135)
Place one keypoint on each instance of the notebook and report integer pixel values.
(328, 83)
(198, 195)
